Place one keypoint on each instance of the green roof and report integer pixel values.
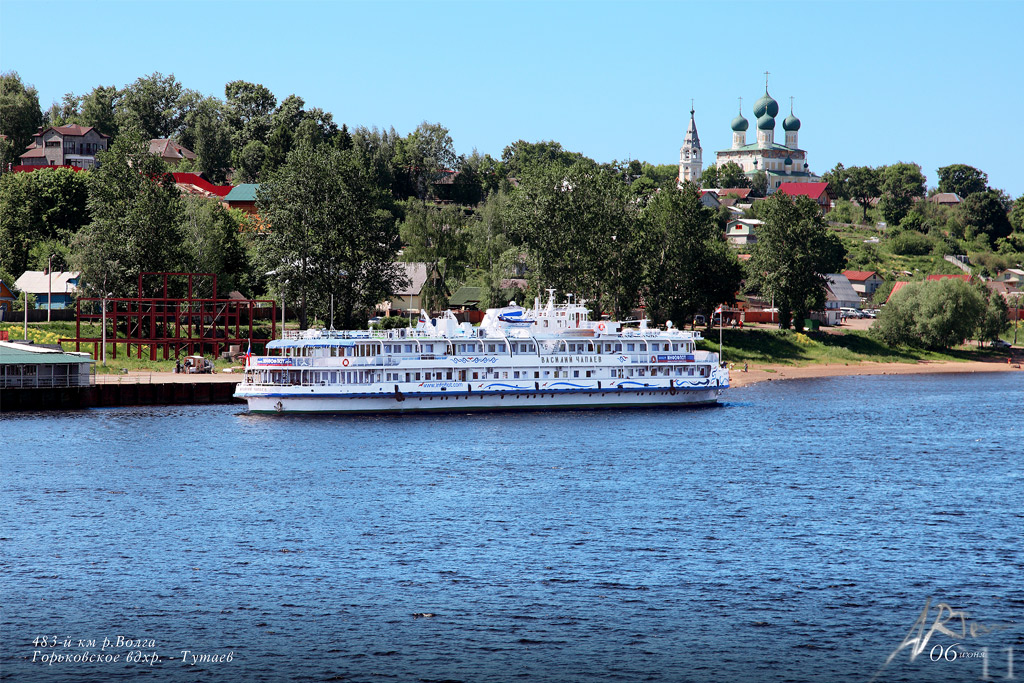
(754, 146)
(466, 296)
(243, 193)
(24, 354)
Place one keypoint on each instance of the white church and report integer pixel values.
(781, 163)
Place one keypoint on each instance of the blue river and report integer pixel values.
(847, 529)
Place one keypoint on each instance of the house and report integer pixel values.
(410, 297)
(897, 286)
(839, 293)
(7, 299)
(195, 183)
(1011, 276)
(864, 282)
(28, 365)
(243, 197)
(466, 298)
(741, 193)
(956, 276)
(709, 198)
(945, 199)
(61, 287)
(170, 151)
(72, 145)
(741, 231)
(820, 193)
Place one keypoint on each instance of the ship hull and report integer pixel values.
(470, 401)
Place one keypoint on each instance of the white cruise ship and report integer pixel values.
(549, 357)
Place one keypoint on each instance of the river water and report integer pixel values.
(795, 533)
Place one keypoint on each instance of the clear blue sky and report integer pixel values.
(935, 83)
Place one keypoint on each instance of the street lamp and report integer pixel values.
(49, 285)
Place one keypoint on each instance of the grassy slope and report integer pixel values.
(788, 347)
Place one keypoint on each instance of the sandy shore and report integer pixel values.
(767, 373)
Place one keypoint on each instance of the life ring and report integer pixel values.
(653, 359)
(344, 361)
(600, 327)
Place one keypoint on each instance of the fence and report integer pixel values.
(37, 315)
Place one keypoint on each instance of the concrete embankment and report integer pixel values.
(157, 391)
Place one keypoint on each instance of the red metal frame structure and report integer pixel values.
(197, 324)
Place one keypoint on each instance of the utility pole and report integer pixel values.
(49, 286)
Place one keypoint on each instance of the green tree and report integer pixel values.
(962, 180)
(984, 213)
(20, 115)
(1017, 215)
(995, 317)
(426, 152)
(863, 184)
(901, 183)
(793, 255)
(211, 241)
(251, 162)
(331, 231)
(839, 180)
(709, 178)
(437, 237)
(690, 268)
(931, 314)
(152, 105)
(731, 175)
(136, 219)
(248, 109)
(522, 158)
(97, 110)
(579, 227)
(46, 207)
(206, 133)
(759, 184)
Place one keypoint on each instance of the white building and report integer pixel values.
(780, 162)
(690, 163)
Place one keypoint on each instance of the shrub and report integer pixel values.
(908, 243)
(934, 315)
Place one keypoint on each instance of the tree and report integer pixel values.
(251, 161)
(731, 175)
(20, 115)
(863, 184)
(690, 266)
(900, 184)
(984, 213)
(522, 158)
(759, 184)
(211, 241)
(248, 109)
(331, 231)
(437, 237)
(579, 226)
(934, 315)
(1017, 215)
(962, 180)
(135, 224)
(207, 134)
(994, 318)
(97, 110)
(709, 178)
(792, 257)
(426, 152)
(44, 208)
(839, 180)
(152, 105)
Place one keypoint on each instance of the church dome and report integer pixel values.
(791, 123)
(788, 162)
(766, 105)
(739, 124)
(766, 122)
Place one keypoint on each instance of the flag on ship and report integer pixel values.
(248, 354)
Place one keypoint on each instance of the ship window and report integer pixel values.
(536, 375)
(630, 347)
(618, 347)
(504, 375)
(476, 375)
(408, 348)
(449, 374)
(417, 377)
(575, 373)
(547, 374)
(655, 347)
(407, 377)
(589, 373)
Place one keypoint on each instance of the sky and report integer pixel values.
(934, 83)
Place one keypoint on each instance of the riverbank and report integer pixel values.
(775, 372)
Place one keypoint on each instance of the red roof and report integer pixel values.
(895, 288)
(33, 153)
(858, 275)
(812, 190)
(73, 129)
(201, 183)
(740, 192)
(957, 276)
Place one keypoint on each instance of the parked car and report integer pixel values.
(1001, 344)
